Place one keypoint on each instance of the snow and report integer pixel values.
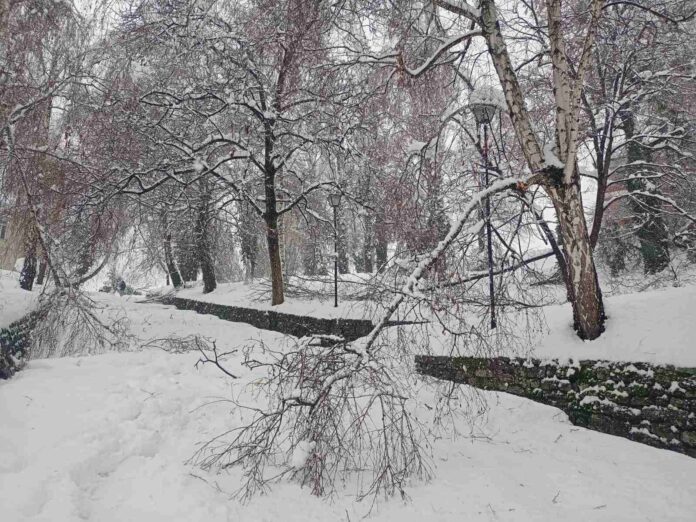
(199, 165)
(446, 45)
(550, 157)
(302, 453)
(258, 297)
(415, 146)
(647, 326)
(674, 387)
(464, 6)
(107, 438)
(15, 303)
(487, 95)
(655, 327)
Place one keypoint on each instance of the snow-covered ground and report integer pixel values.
(106, 438)
(657, 326)
(14, 302)
(258, 296)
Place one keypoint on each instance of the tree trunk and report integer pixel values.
(42, 272)
(368, 244)
(207, 270)
(270, 216)
(28, 273)
(186, 255)
(249, 243)
(274, 257)
(85, 256)
(602, 180)
(561, 184)
(381, 246)
(583, 286)
(205, 258)
(169, 261)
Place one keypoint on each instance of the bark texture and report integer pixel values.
(204, 244)
(584, 292)
(272, 240)
(169, 261)
(561, 182)
(28, 273)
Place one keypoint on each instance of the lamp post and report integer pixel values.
(335, 201)
(484, 106)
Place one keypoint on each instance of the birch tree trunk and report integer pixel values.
(559, 178)
(582, 285)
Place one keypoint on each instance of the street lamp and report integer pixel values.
(485, 104)
(335, 201)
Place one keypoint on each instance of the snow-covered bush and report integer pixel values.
(70, 325)
(329, 413)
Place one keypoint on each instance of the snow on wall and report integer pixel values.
(296, 325)
(652, 404)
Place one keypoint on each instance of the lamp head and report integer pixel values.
(335, 199)
(485, 102)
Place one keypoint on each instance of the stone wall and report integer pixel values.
(15, 341)
(652, 404)
(296, 325)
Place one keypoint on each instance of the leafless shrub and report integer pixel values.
(176, 344)
(71, 324)
(206, 347)
(332, 412)
(351, 411)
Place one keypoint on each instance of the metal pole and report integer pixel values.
(335, 258)
(489, 232)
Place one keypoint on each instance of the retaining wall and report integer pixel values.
(652, 404)
(15, 341)
(296, 325)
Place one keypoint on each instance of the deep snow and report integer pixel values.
(14, 302)
(106, 438)
(658, 326)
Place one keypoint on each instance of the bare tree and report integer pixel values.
(634, 106)
(253, 111)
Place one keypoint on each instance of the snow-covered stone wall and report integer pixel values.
(296, 325)
(652, 404)
(14, 345)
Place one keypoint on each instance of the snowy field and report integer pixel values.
(107, 438)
